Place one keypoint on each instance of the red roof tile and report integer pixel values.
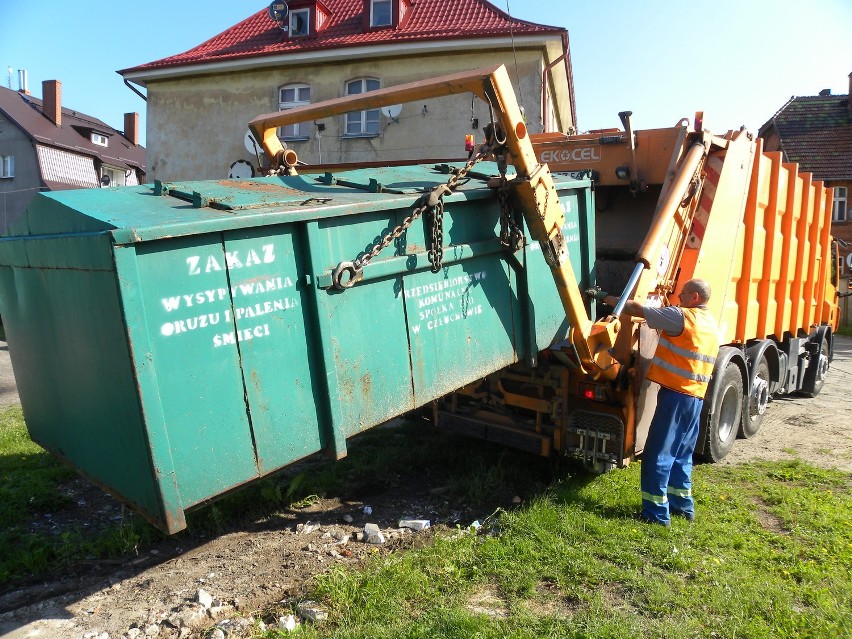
(429, 20)
(816, 132)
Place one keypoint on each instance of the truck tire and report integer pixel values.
(818, 368)
(757, 400)
(722, 413)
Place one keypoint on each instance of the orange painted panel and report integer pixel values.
(765, 247)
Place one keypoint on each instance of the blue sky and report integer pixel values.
(738, 61)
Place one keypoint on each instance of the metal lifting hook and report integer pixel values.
(352, 272)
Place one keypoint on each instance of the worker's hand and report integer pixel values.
(596, 294)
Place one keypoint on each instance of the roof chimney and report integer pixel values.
(22, 82)
(131, 128)
(51, 97)
(849, 97)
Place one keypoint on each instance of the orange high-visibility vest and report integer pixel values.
(685, 363)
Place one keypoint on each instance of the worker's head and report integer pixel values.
(694, 293)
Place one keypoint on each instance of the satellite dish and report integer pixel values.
(392, 111)
(278, 11)
(241, 169)
(252, 145)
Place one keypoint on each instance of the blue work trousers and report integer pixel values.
(667, 460)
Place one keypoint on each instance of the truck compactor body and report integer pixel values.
(670, 205)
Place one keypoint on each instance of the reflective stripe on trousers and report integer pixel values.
(667, 459)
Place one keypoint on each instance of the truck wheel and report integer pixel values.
(757, 401)
(723, 416)
(816, 371)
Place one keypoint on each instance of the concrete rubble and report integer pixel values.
(287, 623)
(312, 611)
(414, 524)
(373, 534)
(202, 608)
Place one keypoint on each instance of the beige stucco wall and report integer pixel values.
(196, 126)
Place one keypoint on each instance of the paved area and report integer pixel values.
(8, 390)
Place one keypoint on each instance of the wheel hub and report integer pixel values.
(822, 367)
(759, 396)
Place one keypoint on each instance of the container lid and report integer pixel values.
(162, 210)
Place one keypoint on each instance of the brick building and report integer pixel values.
(816, 132)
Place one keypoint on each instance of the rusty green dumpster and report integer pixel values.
(175, 341)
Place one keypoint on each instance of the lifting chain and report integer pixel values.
(436, 250)
(511, 235)
(346, 274)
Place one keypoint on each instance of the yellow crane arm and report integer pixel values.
(533, 186)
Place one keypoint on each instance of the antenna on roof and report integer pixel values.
(278, 11)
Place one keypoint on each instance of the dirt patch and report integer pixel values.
(816, 429)
(271, 560)
(488, 602)
(768, 520)
(277, 558)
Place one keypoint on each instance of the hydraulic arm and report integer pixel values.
(533, 187)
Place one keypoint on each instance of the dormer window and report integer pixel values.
(305, 18)
(300, 22)
(100, 139)
(385, 14)
(381, 13)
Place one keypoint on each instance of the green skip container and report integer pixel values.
(175, 342)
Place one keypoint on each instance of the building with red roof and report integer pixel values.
(200, 101)
(816, 133)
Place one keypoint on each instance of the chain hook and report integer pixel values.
(353, 272)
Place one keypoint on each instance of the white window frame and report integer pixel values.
(362, 123)
(117, 176)
(7, 166)
(375, 14)
(304, 14)
(839, 211)
(100, 139)
(300, 97)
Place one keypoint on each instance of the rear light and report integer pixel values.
(594, 392)
(469, 142)
(699, 120)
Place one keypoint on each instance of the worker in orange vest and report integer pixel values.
(682, 366)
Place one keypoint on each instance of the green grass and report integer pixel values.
(770, 556)
(31, 482)
(31, 485)
(28, 480)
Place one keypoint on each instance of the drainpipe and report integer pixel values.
(135, 90)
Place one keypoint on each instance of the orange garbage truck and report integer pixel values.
(674, 204)
(671, 204)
